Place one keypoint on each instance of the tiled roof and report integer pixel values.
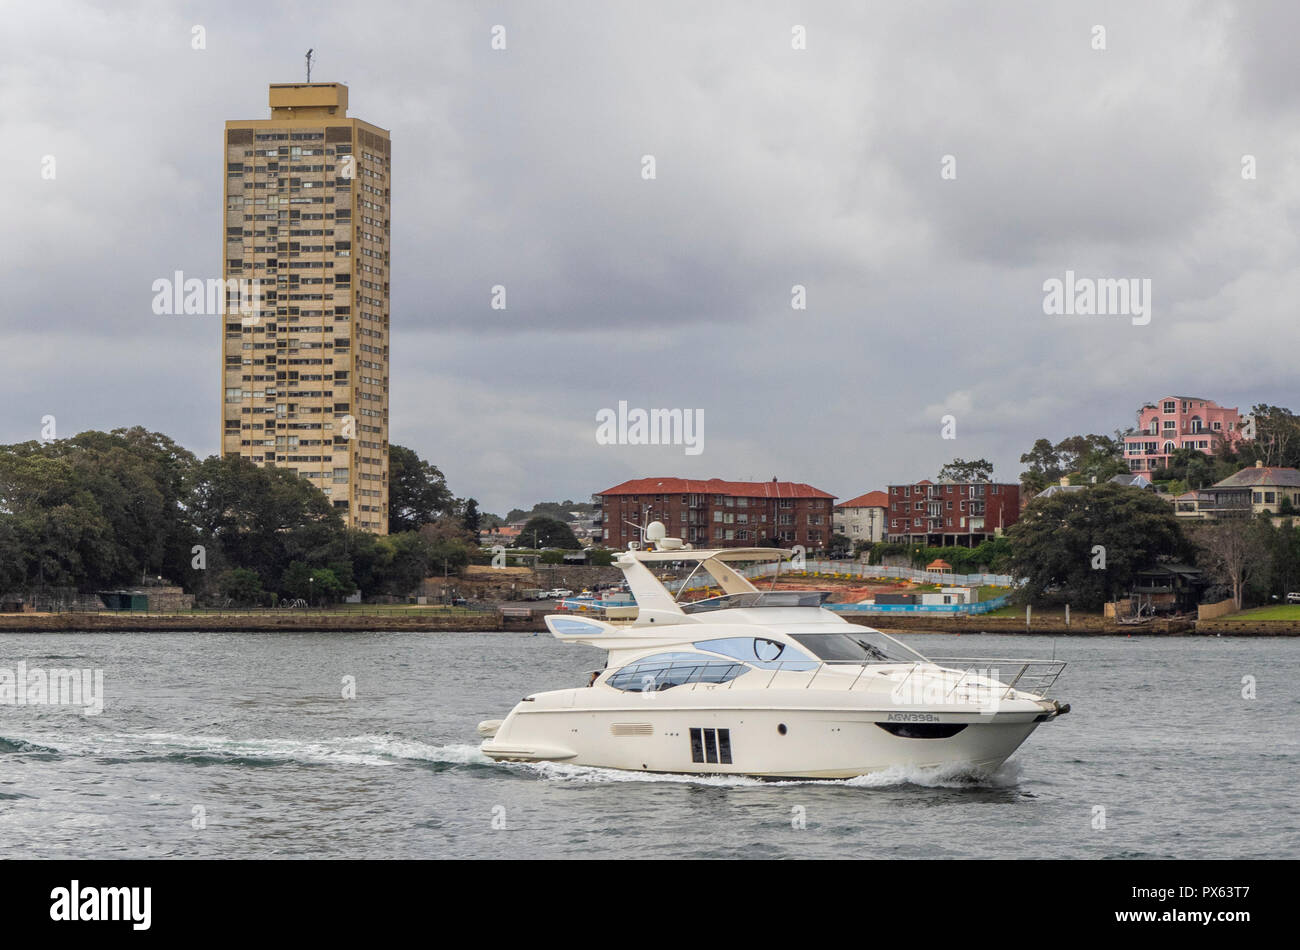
(716, 486)
(872, 499)
(1248, 477)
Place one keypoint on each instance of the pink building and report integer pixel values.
(1181, 422)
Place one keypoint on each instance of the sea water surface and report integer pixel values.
(243, 746)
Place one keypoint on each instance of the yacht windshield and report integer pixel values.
(866, 647)
(777, 598)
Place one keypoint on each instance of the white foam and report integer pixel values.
(374, 750)
(943, 777)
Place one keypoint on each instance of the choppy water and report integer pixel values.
(253, 729)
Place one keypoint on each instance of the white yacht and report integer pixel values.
(765, 683)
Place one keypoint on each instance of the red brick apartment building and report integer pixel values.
(717, 513)
(951, 513)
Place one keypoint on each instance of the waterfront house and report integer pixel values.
(1257, 490)
(1181, 422)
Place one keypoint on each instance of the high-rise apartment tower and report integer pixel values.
(305, 379)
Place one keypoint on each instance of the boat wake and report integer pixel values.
(389, 750)
(368, 750)
(947, 777)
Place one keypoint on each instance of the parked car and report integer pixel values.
(1293, 597)
(559, 593)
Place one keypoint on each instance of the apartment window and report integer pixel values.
(1170, 407)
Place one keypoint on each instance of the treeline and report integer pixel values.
(1089, 547)
(103, 510)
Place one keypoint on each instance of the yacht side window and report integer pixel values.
(763, 653)
(666, 670)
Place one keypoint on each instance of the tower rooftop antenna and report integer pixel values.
(309, 52)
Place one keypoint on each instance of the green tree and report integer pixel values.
(1089, 545)
(1277, 438)
(1085, 458)
(412, 560)
(316, 585)
(417, 491)
(263, 518)
(959, 470)
(544, 532)
(55, 530)
(471, 518)
(98, 509)
(241, 586)
(449, 546)
(1235, 550)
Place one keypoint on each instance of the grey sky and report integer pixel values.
(775, 167)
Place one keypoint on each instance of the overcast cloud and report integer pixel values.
(775, 167)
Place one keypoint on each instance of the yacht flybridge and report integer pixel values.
(767, 684)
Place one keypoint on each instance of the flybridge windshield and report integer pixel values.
(857, 648)
(777, 598)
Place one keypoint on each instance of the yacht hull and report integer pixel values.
(792, 742)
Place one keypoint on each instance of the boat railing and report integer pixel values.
(1032, 676)
(993, 678)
